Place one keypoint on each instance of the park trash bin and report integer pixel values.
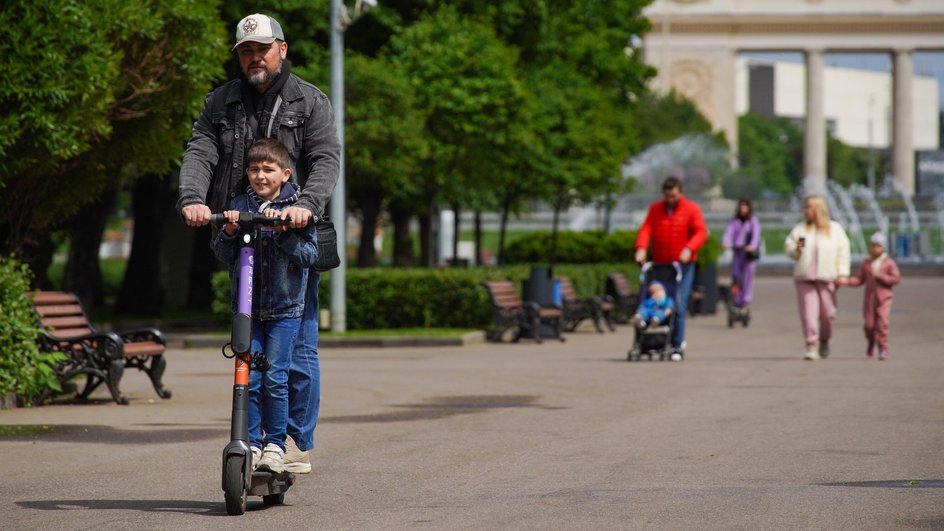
(539, 289)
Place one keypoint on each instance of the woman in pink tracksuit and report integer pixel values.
(878, 274)
(821, 250)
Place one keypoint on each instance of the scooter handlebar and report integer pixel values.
(249, 218)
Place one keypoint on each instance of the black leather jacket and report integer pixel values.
(213, 169)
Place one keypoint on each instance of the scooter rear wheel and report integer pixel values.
(234, 491)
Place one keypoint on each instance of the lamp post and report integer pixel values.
(870, 175)
(340, 19)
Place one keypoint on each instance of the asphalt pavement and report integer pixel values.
(743, 434)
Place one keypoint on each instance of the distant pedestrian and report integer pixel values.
(878, 273)
(742, 236)
(820, 247)
(675, 228)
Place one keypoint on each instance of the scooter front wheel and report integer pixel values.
(234, 491)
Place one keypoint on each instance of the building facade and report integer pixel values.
(694, 44)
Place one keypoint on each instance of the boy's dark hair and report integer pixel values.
(269, 150)
(671, 183)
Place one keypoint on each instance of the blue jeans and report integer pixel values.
(304, 376)
(682, 292)
(268, 391)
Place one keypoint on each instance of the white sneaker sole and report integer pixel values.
(298, 468)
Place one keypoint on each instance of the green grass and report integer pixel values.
(113, 271)
(400, 332)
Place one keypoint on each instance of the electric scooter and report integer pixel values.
(736, 314)
(239, 479)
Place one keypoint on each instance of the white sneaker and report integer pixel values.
(812, 353)
(296, 461)
(256, 456)
(273, 459)
(676, 356)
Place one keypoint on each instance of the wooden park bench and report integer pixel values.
(578, 309)
(101, 356)
(527, 318)
(625, 300)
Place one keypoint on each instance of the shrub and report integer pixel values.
(24, 370)
(573, 247)
(432, 298)
(590, 247)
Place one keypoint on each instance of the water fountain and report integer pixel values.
(864, 193)
(841, 203)
(905, 242)
(696, 158)
(905, 239)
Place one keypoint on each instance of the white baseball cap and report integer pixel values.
(258, 28)
(878, 238)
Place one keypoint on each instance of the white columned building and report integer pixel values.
(694, 45)
(814, 132)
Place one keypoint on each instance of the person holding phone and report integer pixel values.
(821, 250)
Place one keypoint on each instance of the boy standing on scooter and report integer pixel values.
(282, 260)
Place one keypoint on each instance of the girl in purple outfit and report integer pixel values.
(743, 236)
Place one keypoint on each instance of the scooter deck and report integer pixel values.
(265, 483)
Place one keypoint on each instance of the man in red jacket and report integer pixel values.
(676, 229)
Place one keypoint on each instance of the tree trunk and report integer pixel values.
(478, 238)
(426, 239)
(83, 275)
(37, 251)
(142, 291)
(370, 210)
(202, 267)
(501, 232)
(455, 233)
(402, 241)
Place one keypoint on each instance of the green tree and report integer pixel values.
(106, 101)
(665, 117)
(385, 143)
(465, 79)
(770, 156)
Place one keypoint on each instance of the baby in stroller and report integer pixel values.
(655, 318)
(654, 309)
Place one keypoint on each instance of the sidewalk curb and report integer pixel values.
(217, 340)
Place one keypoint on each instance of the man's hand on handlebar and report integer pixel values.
(273, 213)
(640, 256)
(298, 216)
(685, 256)
(196, 215)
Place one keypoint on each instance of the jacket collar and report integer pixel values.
(288, 196)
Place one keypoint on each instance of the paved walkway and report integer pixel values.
(741, 435)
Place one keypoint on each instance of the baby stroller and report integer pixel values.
(656, 340)
(736, 314)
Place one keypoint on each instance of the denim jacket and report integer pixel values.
(213, 169)
(280, 263)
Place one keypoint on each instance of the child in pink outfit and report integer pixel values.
(878, 274)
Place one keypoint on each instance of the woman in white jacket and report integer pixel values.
(821, 250)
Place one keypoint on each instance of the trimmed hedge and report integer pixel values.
(589, 247)
(432, 298)
(573, 247)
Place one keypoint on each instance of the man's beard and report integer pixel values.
(265, 77)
